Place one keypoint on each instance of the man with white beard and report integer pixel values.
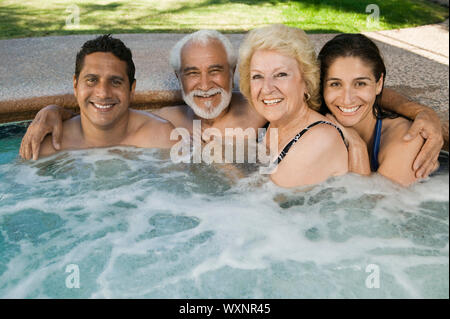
(204, 63)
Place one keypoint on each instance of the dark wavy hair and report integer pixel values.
(354, 45)
(106, 43)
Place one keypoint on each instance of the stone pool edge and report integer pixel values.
(26, 109)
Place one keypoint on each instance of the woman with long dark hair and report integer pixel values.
(352, 81)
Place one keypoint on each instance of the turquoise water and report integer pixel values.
(135, 225)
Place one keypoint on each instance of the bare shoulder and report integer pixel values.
(324, 141)
(396, 156)
(392, 136)
(396, 125)
(328, 135)
(320, 153)
(179, 115)
(150, 130)
(169, 112)
(148, 121)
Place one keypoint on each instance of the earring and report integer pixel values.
(307, 96)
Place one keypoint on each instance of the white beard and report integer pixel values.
(208, 113)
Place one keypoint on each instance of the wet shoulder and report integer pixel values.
(141, 119)
(320, 152)
(149, 130)
(392, 138)
(394, 129)
(315, 141)
(321, 128)
(170, 111)
(396, 156)
(322, 136)
(179, 115)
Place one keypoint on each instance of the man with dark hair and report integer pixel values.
(106, 43)
(104, 86)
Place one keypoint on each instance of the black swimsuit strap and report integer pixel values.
(299, 135)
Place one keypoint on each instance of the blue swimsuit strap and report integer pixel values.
(299, 135)
(376, 146)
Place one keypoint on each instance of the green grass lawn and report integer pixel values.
(32, 18)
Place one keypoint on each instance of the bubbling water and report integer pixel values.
(139, 226)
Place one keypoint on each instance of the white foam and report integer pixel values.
(127, 228)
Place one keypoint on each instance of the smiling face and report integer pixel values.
(276, 85)
(103, 89)
(350, 90)
(206, 78)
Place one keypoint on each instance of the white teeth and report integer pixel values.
(205, 95)
(271, 102)
(103, 106)
(353, 109)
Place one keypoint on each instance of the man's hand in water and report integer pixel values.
(428, 125)
(48, 120)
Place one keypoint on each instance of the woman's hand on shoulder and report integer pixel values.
(358, 156)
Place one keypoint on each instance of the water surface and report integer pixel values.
(139, 226)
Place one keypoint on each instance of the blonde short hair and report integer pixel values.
(292, 42)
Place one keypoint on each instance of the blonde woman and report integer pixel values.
(279, 75)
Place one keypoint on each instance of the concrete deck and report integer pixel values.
(38, 71)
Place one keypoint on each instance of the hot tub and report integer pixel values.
(128, 223)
